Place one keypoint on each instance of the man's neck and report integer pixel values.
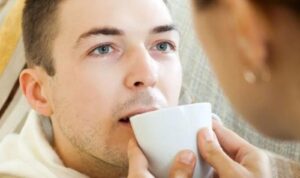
(96, 168)
(89, 165)
(83, 162)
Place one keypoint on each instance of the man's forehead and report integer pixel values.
(118, 16)
(112, 7)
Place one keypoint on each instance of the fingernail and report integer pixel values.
(187, 157)
(217, 119)
(208, 135)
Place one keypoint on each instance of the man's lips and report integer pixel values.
(126, 117)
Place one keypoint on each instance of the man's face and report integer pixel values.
(113, 59)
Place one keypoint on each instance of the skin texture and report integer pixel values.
(241, 38)
(108, 67)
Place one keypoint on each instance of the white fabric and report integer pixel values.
(14, 116)
(30, 155)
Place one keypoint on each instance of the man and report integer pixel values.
(91, 65)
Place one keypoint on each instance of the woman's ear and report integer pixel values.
(32, 87)
(252, 38)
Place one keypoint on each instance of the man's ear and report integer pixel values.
(32, 87)
(252, 32)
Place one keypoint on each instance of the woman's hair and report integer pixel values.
(293, 5)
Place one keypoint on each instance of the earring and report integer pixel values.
(249, 77)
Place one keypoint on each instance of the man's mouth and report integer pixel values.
(126, 118)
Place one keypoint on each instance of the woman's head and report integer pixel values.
(254, 48)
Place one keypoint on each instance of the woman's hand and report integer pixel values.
(225, 151)
(183, 165)
(138, 164)
(231, 156)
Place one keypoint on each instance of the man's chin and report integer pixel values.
(115, 152)
(113, 157)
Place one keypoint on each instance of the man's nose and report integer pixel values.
(143, 71)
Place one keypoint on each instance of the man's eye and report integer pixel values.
(102, 50)
(164, 47)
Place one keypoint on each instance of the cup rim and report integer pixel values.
(169, 108)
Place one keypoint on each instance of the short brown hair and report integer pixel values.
(40, 27)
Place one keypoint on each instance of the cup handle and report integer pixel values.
(216, 117)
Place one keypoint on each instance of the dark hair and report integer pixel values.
(40, 28)
(291, 4)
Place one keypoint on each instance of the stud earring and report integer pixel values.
(249, 77)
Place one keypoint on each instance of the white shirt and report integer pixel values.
(30, 154)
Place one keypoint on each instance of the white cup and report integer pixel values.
(163, 133)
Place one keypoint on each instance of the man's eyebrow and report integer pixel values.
(117, 32)
(165, 28)
(100, 31)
